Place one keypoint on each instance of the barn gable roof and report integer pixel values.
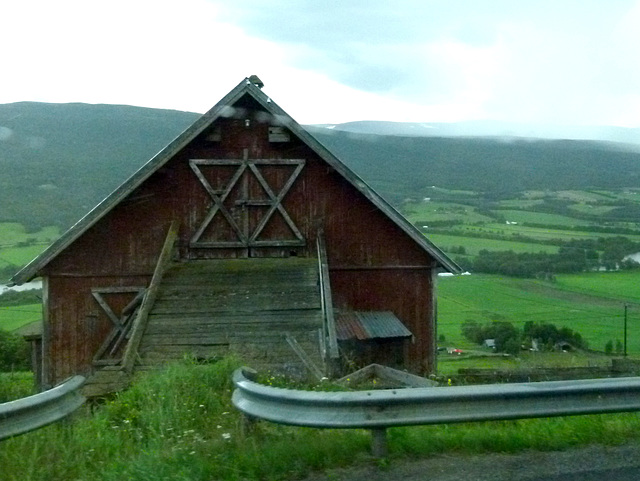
(224, 108)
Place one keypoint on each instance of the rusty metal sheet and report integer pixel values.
(364, 325)
(348, 326)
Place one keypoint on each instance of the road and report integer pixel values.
(591, 463)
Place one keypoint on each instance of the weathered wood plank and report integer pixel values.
(209, 308)
(217, 329)
(244, 305)
(327, 300)
(140, 321)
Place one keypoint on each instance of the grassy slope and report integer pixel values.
(473, 245)
(541, 233)
(179, 425)
(13, 255)
(591, 310)
(540, 218)
(14, 317)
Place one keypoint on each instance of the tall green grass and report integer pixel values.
(15, 385)
(179, 424)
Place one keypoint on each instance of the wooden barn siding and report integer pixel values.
(76, 325)
(122, 248)
(405, 292)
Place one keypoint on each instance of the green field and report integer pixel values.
(473, 245)
(623, 286)
(592, 210)
(14, 317)
(425, 212)
(596, 316)
(18, 247)
(12, 233)
(525, 216)
(540, 233)
(20, 256)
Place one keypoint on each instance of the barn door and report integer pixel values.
(246, 215)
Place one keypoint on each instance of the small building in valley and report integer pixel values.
(243, 235)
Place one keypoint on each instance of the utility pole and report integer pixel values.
(625, 329)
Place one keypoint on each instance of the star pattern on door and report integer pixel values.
(246, 236)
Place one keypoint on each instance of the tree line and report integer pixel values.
(509, 339)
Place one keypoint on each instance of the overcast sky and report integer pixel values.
(573, 62)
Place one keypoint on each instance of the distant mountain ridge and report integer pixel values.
(59, 160)
(489, 128)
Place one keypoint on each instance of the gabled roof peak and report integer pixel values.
(225, 108)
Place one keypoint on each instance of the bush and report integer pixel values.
(14, 352)
(548, 335)
(506, 335)
(608, 348)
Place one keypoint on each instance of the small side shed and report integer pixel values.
(242, 235)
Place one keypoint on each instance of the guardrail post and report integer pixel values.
(379, 443)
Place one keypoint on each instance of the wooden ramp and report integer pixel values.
(264, 310)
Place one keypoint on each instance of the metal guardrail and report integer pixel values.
(380, 409)
(33, 412)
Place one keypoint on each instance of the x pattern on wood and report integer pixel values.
(246, 237)
(109, 351)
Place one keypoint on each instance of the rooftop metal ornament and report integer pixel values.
(255, 80)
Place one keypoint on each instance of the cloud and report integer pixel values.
(422, 60)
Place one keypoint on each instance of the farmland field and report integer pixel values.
(540, 233)
(473, 245)
(14, 317)
(624, 285)
(521, 216)
(12, 233)
(442, 211)
(18, 247)
(485, 298)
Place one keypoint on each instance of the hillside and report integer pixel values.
(59, 160)
(407, 166)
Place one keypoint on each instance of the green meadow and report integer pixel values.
(179, 424)
(14, 317)
(473, 245)
(538, 233)
(425, 212)
(18, 247)
(591, 304)
(524, 216)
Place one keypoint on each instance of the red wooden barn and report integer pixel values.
(242, 235)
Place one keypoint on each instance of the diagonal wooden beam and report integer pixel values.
(218, 199)
(140, 322)
(277, 200)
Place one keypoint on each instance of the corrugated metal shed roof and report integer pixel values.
(364, 325)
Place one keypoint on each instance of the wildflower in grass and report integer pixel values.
(226, 436)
